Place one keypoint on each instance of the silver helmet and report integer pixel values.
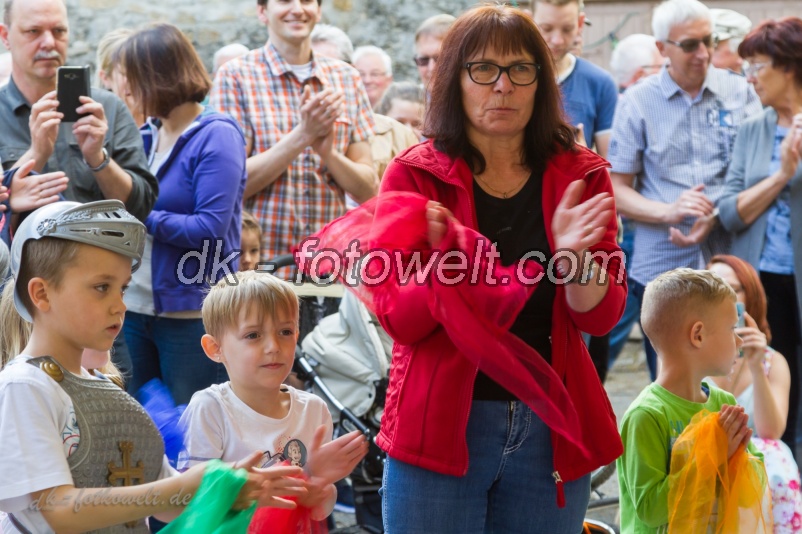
(103, 224)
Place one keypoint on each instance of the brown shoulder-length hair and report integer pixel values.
(781, 40)
(754, 294)
(163, 69)
(506, 30)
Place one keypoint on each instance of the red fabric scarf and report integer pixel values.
(476, 314)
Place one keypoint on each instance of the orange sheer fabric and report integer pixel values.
(708, 492)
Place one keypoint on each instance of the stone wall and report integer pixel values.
(213, 23)
(389, 24)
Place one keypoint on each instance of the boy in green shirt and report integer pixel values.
(690, 318)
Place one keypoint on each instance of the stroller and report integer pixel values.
(346, 359)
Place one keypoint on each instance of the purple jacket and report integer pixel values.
(196, 220)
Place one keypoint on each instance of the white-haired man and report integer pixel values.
(331, 41)
(376, 69)
(731, 27)
(674, 132)
(634, 57)
(226, 54)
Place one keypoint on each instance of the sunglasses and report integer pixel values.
(692, 45)
(423, 61)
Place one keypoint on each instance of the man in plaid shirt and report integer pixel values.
(306, 119)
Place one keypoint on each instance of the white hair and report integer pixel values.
(371, 50)
(326, 33)
(630, 54)
(227, 53)
(673, 12)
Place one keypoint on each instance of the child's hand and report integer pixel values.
(268, 486)
(733, 420)
(335, 460)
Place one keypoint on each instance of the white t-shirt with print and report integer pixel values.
(220, 425)
(39, 432)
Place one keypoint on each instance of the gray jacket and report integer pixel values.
(123, 143)
(750, 165)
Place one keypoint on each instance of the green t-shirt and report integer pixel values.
(649, 429)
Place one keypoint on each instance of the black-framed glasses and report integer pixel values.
(485, 73)
(692, 45)
(423, 61)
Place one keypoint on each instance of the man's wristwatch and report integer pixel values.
(103, 164)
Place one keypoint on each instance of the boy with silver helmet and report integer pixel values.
(82, 435)
(104, 224)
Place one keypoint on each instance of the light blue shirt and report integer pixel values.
(778, 256)
(672, 142)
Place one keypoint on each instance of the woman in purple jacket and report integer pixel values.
(198, 156)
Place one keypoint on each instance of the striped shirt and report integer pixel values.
(261, 91)
(671, 142)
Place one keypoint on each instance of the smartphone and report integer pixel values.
(72, 83)
(740, 307)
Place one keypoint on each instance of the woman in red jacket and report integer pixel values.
(465, 454)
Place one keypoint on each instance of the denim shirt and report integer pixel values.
(123, 143)
(778, 256)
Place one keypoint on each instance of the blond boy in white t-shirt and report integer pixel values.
(252, 328)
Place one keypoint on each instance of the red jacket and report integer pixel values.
(431, 383)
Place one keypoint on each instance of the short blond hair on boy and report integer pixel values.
(669, 299)
(225, 300)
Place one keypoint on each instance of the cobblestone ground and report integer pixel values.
(625, 380)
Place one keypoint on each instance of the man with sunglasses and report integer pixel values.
(428, 38)
(671, 145)
(589, 92)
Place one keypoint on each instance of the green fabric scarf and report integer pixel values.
(210, 511)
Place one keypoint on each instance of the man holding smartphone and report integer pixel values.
(101, 153)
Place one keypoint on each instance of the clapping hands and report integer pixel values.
(578, 225)
(270, 486)
(318, 114)
(329, 463)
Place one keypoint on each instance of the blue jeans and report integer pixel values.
(636, 291)
(508, 489)
(620, 332)
(169, 349)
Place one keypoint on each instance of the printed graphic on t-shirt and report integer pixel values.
(293, 451)
(676, 428)
(70, 435)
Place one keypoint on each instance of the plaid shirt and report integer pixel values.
(263, 94)
(671, 142)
